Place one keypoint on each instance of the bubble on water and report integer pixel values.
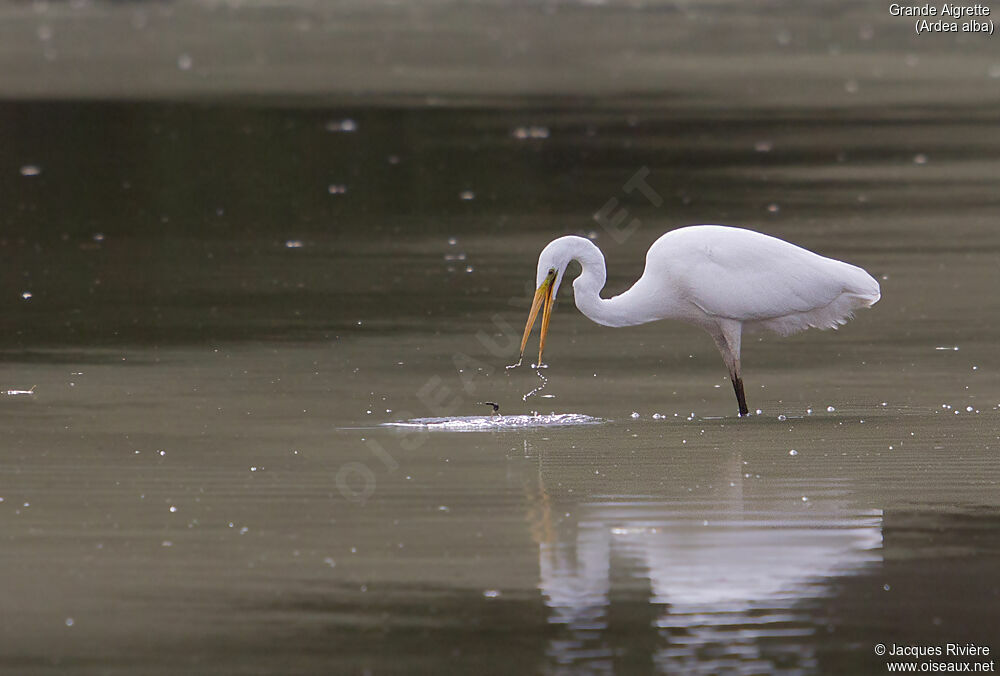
(162, 452)
(658, 416)
(920, 158)
(293, 244)
(763, 146)
(793, 452)
(635, 415)
(809, 411)
(782, 417)
(886, 587)
(173, 509)
(830, 409)
(469, 268)
(330, 562)
(758, 412)
(491, 593)
(70, 622)
(969, 409)
(26, 295)
(185, 62)
(336, 188)
(346, 125)
(805, 499)
(467, 195)
(31, 170)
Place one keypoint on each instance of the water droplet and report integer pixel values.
(346, 125)
(31, 170)
(532, 132)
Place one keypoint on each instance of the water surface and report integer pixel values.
(223, 310)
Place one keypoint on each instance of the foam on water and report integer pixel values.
(478, 423)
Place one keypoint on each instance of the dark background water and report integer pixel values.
(231, 288)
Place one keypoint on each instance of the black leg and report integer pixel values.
(740, 397)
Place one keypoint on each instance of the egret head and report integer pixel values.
(552, 263)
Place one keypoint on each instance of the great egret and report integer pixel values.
(720, 278)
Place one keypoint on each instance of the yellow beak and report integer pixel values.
(544, 298)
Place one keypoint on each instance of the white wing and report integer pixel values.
(760, 280)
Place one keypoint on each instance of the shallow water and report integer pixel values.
(251, 329)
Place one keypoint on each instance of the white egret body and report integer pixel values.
(720, 278)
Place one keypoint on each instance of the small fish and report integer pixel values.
(496, 406)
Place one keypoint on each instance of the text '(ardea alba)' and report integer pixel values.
(720, 278)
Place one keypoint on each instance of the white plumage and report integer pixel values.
(720, 278)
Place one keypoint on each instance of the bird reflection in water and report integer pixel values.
(719, 585)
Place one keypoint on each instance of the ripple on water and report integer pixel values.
(477, 423)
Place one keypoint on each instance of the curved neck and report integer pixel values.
(623, 310)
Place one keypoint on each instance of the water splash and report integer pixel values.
(485, 423)
(545, 381)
